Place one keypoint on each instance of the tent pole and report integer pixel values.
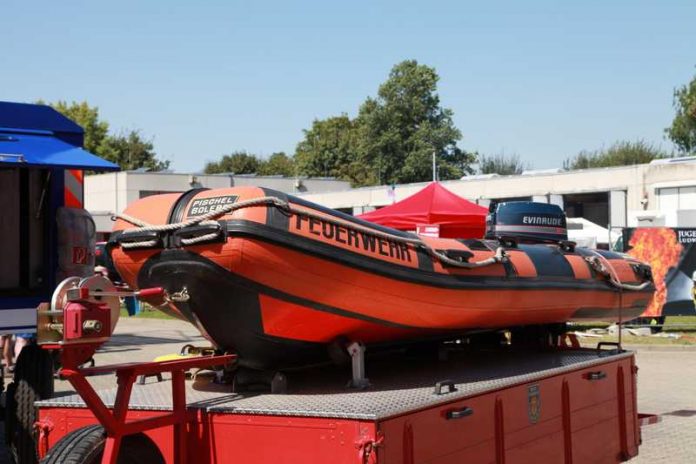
(434, 168)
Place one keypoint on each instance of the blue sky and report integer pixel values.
(540, 79)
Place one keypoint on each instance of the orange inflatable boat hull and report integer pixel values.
(277, 282)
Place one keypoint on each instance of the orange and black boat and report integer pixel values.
(277, 279)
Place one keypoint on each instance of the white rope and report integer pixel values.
(498, 257)
(202, 238)
(602, 265)
(141, 244)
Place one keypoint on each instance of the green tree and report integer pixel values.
(683, 129)
(238, 162)
(277, 164)
(87, 117)
(505, 165)
(331, 149)
(620, 154)
(402, 127)
(131, 151)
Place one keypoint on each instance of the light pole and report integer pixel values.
(434, 167)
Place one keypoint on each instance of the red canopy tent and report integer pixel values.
(434, 205)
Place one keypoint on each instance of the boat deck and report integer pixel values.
(398, 385)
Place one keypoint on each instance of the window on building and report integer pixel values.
(676, 198)
(149, 193)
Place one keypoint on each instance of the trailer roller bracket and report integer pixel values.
(359, 381)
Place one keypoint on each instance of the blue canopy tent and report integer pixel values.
(38, 135)
(41, 164)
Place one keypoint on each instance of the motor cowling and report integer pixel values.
(527, 221)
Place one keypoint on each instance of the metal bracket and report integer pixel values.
(279, 384)
(143, 378)
(356, 350)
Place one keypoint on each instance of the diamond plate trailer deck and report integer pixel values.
(574, 405)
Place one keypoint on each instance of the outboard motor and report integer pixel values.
(526, 222)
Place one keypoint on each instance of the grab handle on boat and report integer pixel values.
(459, 413)
(451, 388)
(499, 257)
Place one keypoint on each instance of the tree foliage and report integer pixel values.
(127, 149)
(239, 162)
(131, 151)
(620, 154)
(405, 124)
(331, 149)
(683, 129)
(505, 165)
(392, 139)
(87, 117)
(277, 164)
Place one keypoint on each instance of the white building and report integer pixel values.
(106, 194)
(660, 193)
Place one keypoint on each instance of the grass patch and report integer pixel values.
(685, 326)
(680, 323)
(687, 339)
(672, 324)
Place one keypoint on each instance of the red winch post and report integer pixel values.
(115, 423)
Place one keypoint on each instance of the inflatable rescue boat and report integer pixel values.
(277, 279)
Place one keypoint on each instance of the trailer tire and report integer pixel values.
(86, 446)
(33, 381)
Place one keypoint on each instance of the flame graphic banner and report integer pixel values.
(671, 252)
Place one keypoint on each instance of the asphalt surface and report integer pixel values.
(666, 383)
(667, 386)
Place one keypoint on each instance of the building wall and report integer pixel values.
(642, 184)
(291, 184)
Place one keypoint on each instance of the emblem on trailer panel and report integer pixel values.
(533, 403)
(201, 206)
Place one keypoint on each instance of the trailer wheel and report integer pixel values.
(33, 381)
(86, 446)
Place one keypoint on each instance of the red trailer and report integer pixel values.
(466, 402)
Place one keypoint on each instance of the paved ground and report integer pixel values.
(667, 386)
(666, 383)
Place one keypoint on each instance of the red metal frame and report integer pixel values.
(115, 423)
